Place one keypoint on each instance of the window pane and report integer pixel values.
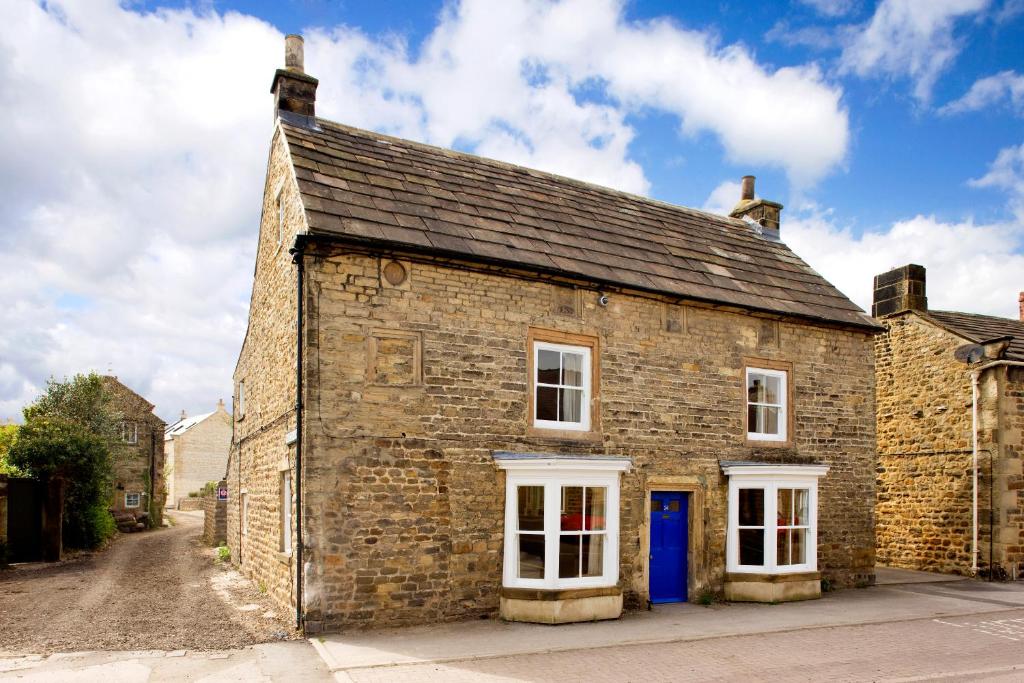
(751, 507)
(755, 387)
(752, 547)
(569, 556)
(772, 393)
(531, 556)
(572, 369)
(547, 366)
(785, 507)
(593, 555)
(762, 420)
(801, 497)
(547, 403)
(531, 508)
(572, 508)
(764, 388)
(791, 547)
(572, 404)
(595, 508)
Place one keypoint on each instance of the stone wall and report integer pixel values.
(1009, 541)
(403, 504)
(267, 365)
(190, 503)
(215, 520)
(925, 449)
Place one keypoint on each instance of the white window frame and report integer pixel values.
(783, 407)
(553, 474)
(138, 500)
(286, 512)
(584, 424)
(771, 478)
(130, 432)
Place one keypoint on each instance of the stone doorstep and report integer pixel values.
(471, 640)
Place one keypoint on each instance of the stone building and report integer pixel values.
(950, 401)
(138, 486)
(525, 395)
(196, 452)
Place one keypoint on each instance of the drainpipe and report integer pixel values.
(975, 375)
(297, 258)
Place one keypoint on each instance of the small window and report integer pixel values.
(285, 545)
(561, 386)
(767, 412)
(132, 500)
(241, 398)
(280, 215)
(130, 432)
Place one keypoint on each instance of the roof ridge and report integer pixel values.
(527, 170)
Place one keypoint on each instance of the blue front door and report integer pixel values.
(668, 546)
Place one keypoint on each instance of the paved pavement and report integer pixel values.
(887, 576)
(962, 630)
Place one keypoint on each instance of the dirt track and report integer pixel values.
(156, 590)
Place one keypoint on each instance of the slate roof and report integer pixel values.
(980, 328)
(182, 426)
(373, 189)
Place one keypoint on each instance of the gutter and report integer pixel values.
(298, 259)
(975, 379)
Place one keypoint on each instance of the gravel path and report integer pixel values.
(158, 590)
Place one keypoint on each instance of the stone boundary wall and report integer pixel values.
(215, 522)
(190, 504)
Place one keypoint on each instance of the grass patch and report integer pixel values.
(223, 554)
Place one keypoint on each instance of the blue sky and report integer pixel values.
(136, 133)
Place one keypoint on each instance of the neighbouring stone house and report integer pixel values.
(138, 484)
(528, 395)
(945, 379)
(196, 452)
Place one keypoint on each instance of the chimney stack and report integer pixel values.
(761, 211)
(1020, 301)
(901, 289)
(183, 415)
(294, 91)
(220, 404)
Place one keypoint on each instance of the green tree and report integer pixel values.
(54, 447)
(73, 432)
(8, 435)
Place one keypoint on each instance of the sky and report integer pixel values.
(134, 140)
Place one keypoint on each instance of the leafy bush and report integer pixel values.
(209, 488)
(223, 553)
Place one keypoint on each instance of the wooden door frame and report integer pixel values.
(694, 527)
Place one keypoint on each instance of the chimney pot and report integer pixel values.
(294, 57)
(1020, 300)
(747, 188)
(183, 415)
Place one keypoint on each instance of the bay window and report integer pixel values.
(561, 520)
(772, 517)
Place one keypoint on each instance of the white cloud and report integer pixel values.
(135, 144)
(908, 39)
(723, 199)
(1007, 173)
(989, 91)
(551, 85)
(830, 8)
(971, 267)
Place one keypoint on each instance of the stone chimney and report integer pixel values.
(901, 289)
(294, 91)
(1020, 303)
(761, 211)
(220, 405)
